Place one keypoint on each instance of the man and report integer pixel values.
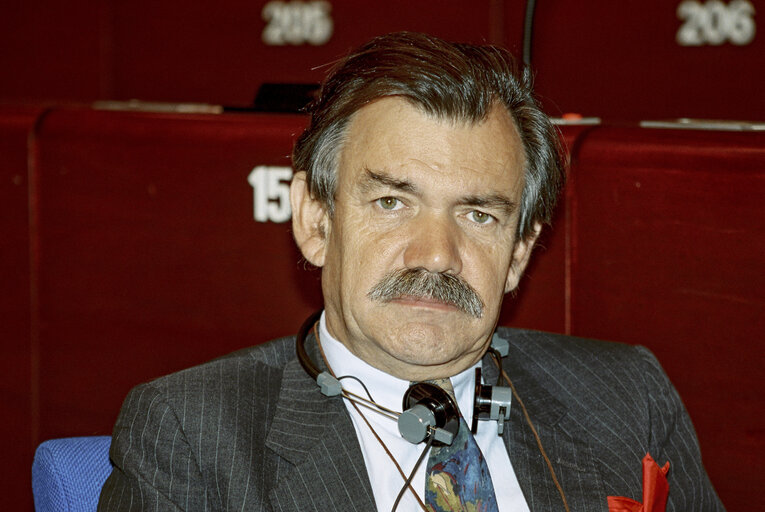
(423, 181)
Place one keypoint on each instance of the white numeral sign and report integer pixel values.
(715, 23)
(271, 193)
(297, 23)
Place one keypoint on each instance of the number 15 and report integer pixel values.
(271, 193)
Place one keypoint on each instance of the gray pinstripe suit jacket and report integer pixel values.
(251, 431)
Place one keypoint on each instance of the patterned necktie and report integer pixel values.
(457, 475)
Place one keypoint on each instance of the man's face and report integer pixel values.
(416, 192)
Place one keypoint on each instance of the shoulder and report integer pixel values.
(180, 437)
(247, 363)
(599, 383)
(618, 399)
(567, 357)
(233, 393)
(229, 381)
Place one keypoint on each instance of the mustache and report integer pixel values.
(421, 283)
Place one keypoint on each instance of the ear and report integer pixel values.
(521, 256)
(309, 221)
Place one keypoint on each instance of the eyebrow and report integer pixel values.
(372, 179)
(492, 201)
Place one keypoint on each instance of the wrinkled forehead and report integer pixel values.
(393, 131)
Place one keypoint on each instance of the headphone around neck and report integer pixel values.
(428, 410)
(430, 414)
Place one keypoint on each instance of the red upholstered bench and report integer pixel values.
(667, 244)
(542, 301)
(151, 259)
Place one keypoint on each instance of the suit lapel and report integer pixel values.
(563, 442)
(314, 434)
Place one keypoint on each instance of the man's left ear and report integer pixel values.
(521, 256)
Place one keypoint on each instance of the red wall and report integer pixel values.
(653, 59)
(18, 387)
(623, 60)
(211, 52)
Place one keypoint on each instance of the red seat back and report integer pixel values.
(667, 238)
(150, 258)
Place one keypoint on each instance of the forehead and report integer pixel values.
(393, 135)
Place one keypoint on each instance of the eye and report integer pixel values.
(480, 217)
(389, 203)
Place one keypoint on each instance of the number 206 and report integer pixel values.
(714, 23)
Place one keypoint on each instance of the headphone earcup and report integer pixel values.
(428, 410)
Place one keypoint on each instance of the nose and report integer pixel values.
(434, 245)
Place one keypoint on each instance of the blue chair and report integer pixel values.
(68, 474)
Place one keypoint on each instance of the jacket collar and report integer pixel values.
(314, 434)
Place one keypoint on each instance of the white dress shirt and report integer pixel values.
(388, 391)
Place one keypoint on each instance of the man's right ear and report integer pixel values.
(309, 221)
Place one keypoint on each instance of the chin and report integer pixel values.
(426, 348)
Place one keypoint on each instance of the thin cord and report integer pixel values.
(536, 436)
(350, 395)
(408, 482)
(498, 361)
(528, 31)
(392, 458)
(370, 404)
(362, 385)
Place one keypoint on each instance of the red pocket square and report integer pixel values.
(655, 490)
